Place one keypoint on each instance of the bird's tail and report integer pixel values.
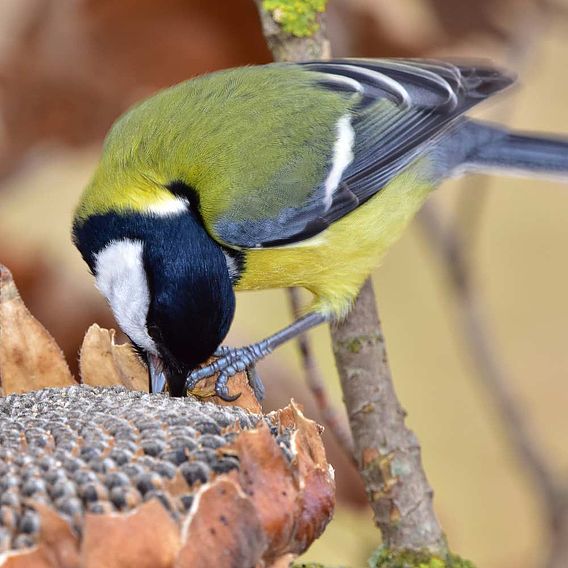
(498, 149)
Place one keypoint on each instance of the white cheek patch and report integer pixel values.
(342, 157)
(121, 278)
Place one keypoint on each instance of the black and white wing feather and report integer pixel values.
(402, 107)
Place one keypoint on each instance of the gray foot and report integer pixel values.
(232, 361)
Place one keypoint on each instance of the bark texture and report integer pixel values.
(387, 452)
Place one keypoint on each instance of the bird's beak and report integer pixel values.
(157, 375)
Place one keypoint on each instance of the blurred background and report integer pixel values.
(68, 68)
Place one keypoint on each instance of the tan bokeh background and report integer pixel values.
(67, 69)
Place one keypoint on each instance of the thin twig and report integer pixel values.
(480, 342)
(330, 415)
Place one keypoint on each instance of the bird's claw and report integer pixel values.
(222, 390)
(230, 362)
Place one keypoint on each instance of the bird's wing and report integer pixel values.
(402, 107)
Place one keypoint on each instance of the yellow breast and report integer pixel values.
(334, 264)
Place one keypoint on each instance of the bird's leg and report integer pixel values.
(233, 360)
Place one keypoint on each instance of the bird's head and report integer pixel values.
(167, 282)
(140, 228)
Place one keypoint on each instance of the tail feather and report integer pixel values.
(510, 151)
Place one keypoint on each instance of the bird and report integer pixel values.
(274, 176)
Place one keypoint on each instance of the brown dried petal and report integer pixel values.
(145, 538)
(306, 440)
(294, 500)
(317, 496)
(29, 357)
(57, 538)
(238, 384)
(57, 546)
(222, 529)
(268, 478)
(103, 363)
(34, 558)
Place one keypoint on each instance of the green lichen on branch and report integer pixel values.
(385, 558)
(297, 17)
(355, 344)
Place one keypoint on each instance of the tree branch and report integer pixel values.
(285, 46)
(387, 453)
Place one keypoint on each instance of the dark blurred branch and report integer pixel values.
(473, 193)
(453, 245)
(448, 245)
(387, 453)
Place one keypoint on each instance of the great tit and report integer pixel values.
(275, 176)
